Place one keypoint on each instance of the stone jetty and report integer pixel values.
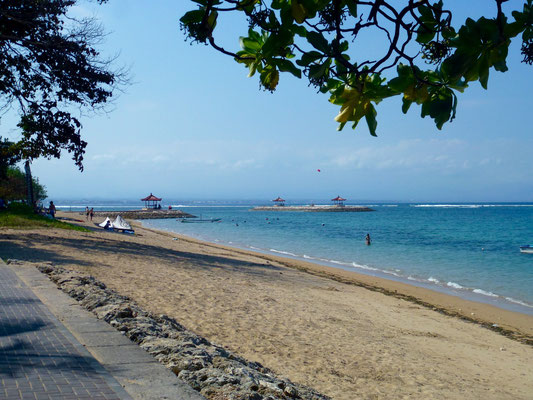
(143, 214)
(208, 368)
(314, 208)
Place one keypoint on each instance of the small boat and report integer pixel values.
(199, 220)
(526, 249)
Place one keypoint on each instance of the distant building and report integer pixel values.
(338, 201)
(279, 202)
(152, 202)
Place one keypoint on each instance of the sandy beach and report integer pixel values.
(345, 334)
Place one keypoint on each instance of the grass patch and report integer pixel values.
(21, 216)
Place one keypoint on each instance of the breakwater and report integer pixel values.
(143, 214)
(314, 208)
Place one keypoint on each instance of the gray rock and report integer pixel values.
(210, 369)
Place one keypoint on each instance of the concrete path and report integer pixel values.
(51, 348)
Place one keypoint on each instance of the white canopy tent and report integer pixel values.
(118, 224)
(106, 221)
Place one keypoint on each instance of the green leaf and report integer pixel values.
(426, 30)
(341, 125)
(309, 57)
(484, 71)
(318, 70)
(299, 30)
(318, 41)
(405, 105)
(269, 78)
(440, 106)
(249, 45)
(298, 11)
(401, 83)
(371, 121)
(352, 7)
(424, 35)
(287, 66)
(191, 17)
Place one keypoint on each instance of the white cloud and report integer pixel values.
(411, 154)
(103, 157)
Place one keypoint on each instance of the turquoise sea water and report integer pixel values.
(468, 250)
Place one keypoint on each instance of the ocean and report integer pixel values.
(466, 250)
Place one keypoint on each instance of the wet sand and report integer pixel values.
(345, 334)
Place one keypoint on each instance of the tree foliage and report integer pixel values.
(7, 157)
(13, 186)
(49, 68)
(426, 59)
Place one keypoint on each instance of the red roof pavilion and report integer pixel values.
(279, 201)
(339, 201)
(151, 201)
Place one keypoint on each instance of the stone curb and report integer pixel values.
(208, 368)
(139, 374)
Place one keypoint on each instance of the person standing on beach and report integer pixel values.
(368, 240)
(52, 209)
(91, 213)
(87, 213)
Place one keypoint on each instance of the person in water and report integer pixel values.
(367, 239)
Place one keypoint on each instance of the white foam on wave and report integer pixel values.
(510, 299)
(454, 285)
(485, 293)
(469, 205)
(308, 257)
(446, 205)
(391, 273)
(337, 262)
(288, 253)
(364, 267)
(434, 280)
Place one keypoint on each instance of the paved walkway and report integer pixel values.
(41, 359)
(38, 358)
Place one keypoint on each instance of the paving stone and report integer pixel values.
(38, 358)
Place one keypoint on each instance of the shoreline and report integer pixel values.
(344, 334)
(486, 315)
(476, 295)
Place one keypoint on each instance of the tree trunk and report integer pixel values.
(29, 184)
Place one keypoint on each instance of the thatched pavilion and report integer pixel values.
(152, 202)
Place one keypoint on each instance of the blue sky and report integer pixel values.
(193, 126)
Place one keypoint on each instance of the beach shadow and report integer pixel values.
(22, 357)
(23, 252)
(10, 301)
(16, 250)
(10, 328)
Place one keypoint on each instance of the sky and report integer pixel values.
(193, 126)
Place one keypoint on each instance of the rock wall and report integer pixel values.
(142, 214)
(210, 369)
